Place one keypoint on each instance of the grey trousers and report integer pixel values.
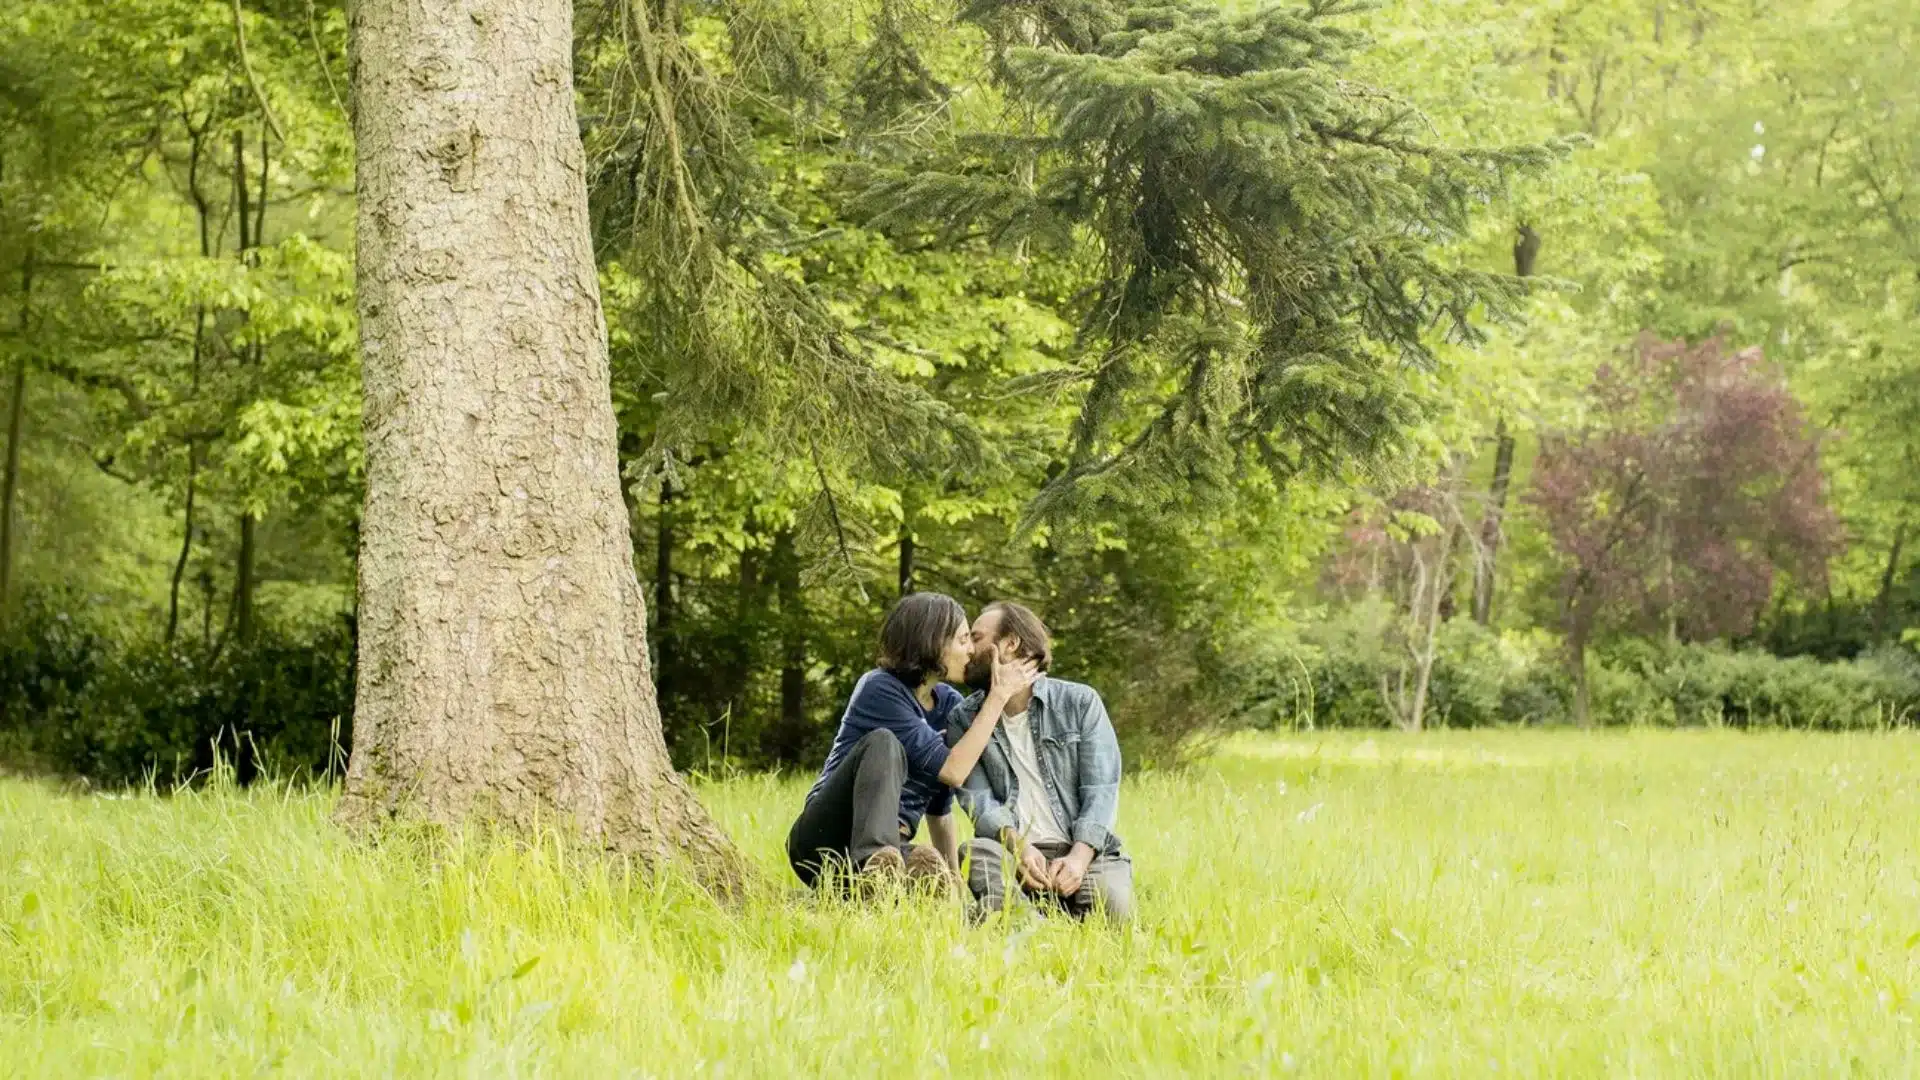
(993, 877)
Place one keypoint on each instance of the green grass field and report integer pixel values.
(1454, 904)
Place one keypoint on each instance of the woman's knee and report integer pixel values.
(880, 744)
(881, 741)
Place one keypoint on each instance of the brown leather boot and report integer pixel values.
(929, 872)
(883, 867)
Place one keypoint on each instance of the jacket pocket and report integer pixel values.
(1060, 756)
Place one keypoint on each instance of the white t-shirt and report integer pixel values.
(1032, 806)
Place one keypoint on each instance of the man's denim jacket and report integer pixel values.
(1079, 759)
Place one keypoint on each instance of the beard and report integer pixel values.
(979, 674)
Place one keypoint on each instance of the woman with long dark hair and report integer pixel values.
(890, 764)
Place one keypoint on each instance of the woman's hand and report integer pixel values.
(1011, 675)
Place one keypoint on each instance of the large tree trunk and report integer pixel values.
(503, 666)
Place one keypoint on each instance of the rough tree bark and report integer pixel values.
(503, 668)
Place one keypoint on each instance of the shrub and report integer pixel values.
(77, 701)
(1704, 684)
(1330, 677)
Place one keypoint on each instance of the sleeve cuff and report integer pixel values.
(1091, 833)
(991, 821)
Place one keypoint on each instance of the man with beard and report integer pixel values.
(1045, 790)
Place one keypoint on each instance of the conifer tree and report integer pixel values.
(1266, 235)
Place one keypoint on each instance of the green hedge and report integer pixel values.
(1328, 675)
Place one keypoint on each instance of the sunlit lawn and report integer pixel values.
(1541, 904)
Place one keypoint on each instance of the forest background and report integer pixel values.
(1626, 437)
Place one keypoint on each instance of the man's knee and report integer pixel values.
(1111, 893)
(986, 860)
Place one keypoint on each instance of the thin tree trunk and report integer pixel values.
(1883, 601)
(1582, 694)
(203, 211)
(906, 559)
(503, 667)
(1456, 537)
(243, 196)
(749, 624)
(243, 581)
(1669, 592)
(1438, 586)
(186, 545)
(244, 577)
(1526, 250)
(206, 609)
(663, 608)
(1579, 622)
(1492, 525)
(793, 645)
(16, 414)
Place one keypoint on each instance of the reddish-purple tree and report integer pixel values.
(1695, 478)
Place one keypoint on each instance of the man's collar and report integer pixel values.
(1042, 691)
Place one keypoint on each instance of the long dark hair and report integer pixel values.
(914, 639)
